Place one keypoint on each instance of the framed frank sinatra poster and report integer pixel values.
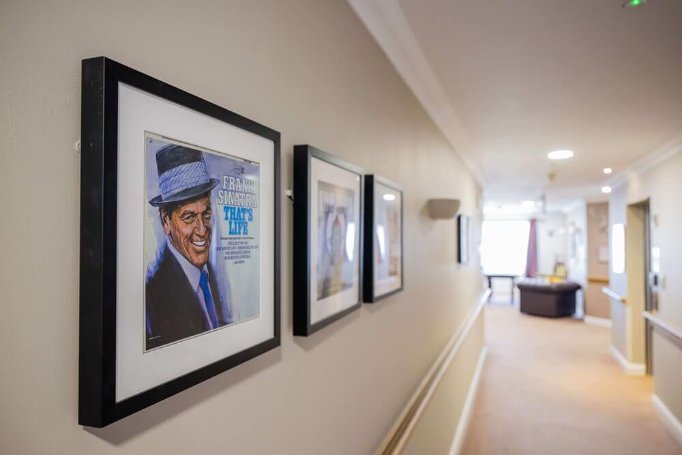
(179, 241)
(327, 239)
(383, 240)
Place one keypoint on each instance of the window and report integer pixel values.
(504, 247)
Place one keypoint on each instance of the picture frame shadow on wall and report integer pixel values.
(462, 239)
(180, 249)
(383, 239)
(328, 215)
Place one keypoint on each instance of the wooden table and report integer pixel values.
(508, 277)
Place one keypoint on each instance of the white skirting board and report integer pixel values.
(467, 410)
(667, 417)
(633, 369)
(600, 322)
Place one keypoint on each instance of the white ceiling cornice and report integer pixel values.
(386, 22)
(650, 160)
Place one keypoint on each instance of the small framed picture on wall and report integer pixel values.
(383, 268)
(327, 239)
(462, 239)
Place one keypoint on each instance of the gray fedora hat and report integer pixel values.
(182, 175)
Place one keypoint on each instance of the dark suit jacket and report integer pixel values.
(173, 309)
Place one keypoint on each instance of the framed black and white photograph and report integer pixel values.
(179, 241)
(462, 239)
(383, 239)
(327, 239)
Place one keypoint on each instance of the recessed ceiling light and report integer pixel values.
(607, 170)
(528, 204)
(606, 189)
(560, 154)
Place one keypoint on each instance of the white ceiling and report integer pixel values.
(509, 80)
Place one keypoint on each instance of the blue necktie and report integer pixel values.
(208, 300)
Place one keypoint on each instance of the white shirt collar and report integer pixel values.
(193, 272)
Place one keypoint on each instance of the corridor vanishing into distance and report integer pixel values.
(550, 386)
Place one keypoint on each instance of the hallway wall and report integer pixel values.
(306, 68)
(551, 242)
(597, 304)
(576, 247)
(661, 184)
(435, 432)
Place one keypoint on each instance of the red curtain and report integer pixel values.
(532, 256)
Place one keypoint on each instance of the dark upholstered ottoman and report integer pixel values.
(552, 300)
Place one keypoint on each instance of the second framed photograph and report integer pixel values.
(383, 255)
(327, 239)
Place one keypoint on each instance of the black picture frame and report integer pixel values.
(102, 83)
(307, 187)
(463, 239)
(374, 291)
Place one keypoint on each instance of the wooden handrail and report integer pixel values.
(598, 279)
(660, 324)
(614, 295)
(402, 429)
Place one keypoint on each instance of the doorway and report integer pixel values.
(640, 295)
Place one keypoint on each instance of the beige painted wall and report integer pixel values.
(667, 371)
(662, 185)
(551, 241)
(306, 68)
(596, 302)
(576, 247)
(618, 281)
(436, 428)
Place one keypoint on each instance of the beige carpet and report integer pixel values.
(550, 386)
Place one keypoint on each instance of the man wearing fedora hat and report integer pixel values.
(182, 298)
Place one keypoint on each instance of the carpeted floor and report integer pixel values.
(550, 386)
